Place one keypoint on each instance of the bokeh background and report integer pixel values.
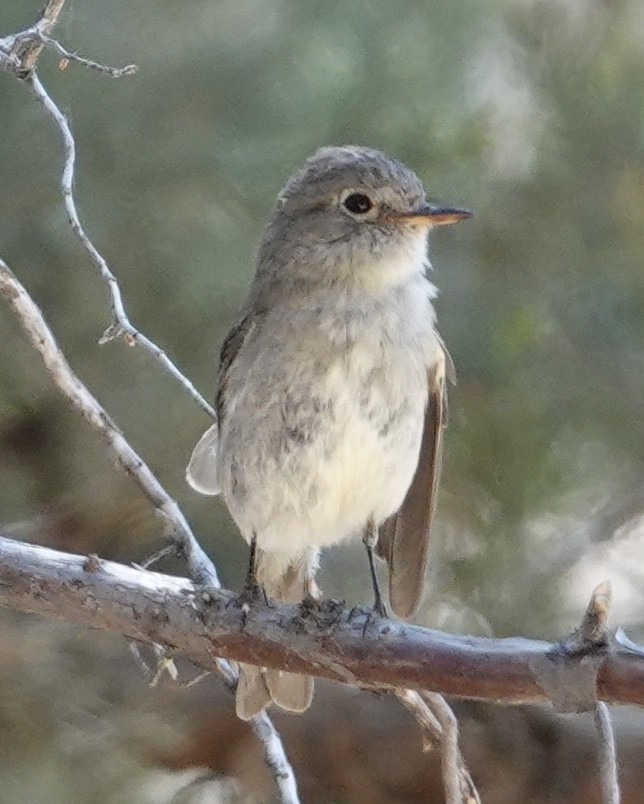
(532, 114)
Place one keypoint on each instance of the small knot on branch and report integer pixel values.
(92, 563)
(568, 672)
(592, 631)
(117, 330)
(593, 625)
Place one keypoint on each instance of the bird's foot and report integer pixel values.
(379, 608)
(252, 594)
(379, 611)
(323, 612)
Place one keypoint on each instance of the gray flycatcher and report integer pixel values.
(331, 391)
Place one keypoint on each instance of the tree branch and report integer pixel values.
(434, 715)
(607, 756)
(327, 641)
(113, 72)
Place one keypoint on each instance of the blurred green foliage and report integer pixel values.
(531, 113)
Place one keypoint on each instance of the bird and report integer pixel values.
(331, 391)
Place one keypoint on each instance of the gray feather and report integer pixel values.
(201, 473)
(404, 537)
(290, 691)
(252, 695)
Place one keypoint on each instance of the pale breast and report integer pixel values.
(324, 422)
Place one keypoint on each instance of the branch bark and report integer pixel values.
(327, 641)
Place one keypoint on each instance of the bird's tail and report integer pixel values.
(289, 581)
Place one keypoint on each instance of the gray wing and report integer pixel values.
(201, 472)
(230, 348)
(403, 538)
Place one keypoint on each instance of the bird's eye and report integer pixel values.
(358, 203)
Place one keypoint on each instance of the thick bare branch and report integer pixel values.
(329, 643)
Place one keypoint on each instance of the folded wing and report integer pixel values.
(404, 537)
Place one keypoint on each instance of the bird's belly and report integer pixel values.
(368, 475)
(330, 456)
(332, 496)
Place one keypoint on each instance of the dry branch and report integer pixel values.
(18, 55)
(434, 715)
(25, 48)
(327, 641)
(607, 756)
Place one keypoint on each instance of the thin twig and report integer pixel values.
(164, 552)
(268, 736)
(426, 719)
(451, 762)
(196, 680)
(440, 727)
(625, 641)
(275, 757)
(32, 40)
(165, 664)
(456, 777)
(113, 72)
(121, 325)
(607, 755)
(135, 650)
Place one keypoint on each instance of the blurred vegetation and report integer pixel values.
(531, 113)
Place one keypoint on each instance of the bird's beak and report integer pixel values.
(435, 215)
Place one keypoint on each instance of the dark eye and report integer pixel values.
(358, 203)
